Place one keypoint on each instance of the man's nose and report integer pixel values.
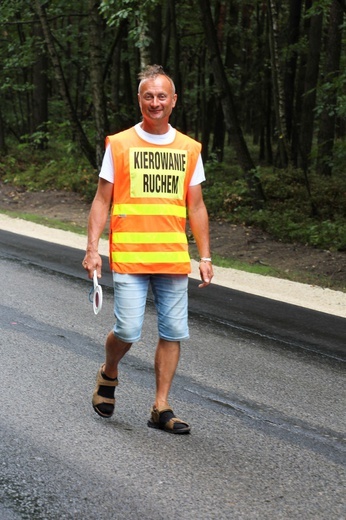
(155, 101)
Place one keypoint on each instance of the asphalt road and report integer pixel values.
(266, 404)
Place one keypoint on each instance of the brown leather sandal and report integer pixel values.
(164, 419)
(102, 403)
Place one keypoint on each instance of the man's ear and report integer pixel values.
(174, 101)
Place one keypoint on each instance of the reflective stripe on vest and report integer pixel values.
(145, 257)
(149, 238)
(149, 209)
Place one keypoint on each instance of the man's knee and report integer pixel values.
(174, 330)
(127, 332)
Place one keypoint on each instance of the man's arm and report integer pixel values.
(199, 224)
(97, 221)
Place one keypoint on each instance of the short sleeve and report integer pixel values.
(107, 168)
(199, 175)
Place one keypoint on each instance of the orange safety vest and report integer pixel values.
(147, 226)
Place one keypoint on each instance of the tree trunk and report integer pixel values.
(86, 147)
(228, 106)
(118, 119)
(3, 146)
(155, 32)
(178, 117)
(291, 63)
(219, 133)
(166, 37)
(309, 97)
(278, 91)
(96, 79)
(332, 69)
(299, 91)
(24, 101)
(205, 106)
(268, 121)
(40, 91)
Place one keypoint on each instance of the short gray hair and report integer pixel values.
(151, 72)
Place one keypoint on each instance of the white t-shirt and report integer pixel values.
(107, 169)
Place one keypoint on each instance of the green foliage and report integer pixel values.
(335, 83)
(116, 10)
(60, 168)
(339, 158)
(136, 12)
(318, 7)
(288, 213)
(224, 194)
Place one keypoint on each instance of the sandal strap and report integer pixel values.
(169, 425)
(101, 381)
(156, 412)
(104, 382)
(98, 399)
(175, 420)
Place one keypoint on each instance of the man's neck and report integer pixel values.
(158, 129)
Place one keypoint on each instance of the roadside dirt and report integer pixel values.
(249, 245)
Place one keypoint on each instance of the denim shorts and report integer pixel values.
(170, 298)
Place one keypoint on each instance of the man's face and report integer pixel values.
(156, 99)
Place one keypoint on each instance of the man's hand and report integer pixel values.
(92, 261)
(206, 272)
(96, 224)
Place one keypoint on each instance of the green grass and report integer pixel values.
(242, 266)
(50, 222)
(304, 277)
(46, 221)
(293, 275)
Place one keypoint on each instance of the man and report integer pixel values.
(151, 174)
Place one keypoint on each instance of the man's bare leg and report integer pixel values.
(166, 362)
(106, 380)
(115, 350)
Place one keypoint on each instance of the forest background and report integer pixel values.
(262, 84)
